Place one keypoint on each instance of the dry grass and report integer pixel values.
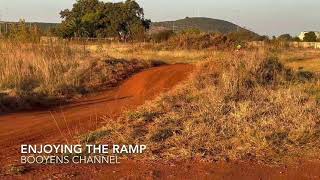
(302, 59)
(192, 40)
(244, 106)
(44, 75)
(297, 59)
(237, 105)
(307, 65)
(152, 52)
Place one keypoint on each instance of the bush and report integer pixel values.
(285, 37)
(271, 71)
(162, 36)
(200, 41)
(22, 32)
(244, 36)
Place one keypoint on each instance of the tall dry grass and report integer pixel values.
(47, 74)
(29, 66)
(153, 52)
(244, 106)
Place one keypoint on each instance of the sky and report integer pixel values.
(266, 17)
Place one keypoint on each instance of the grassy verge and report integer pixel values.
(44, 75)
(244, 106)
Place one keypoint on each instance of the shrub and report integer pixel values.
(200, 41)
(244, 36)
(162, 36)
(23, 32)
(271, 70)
(285, 37)
(17, 170)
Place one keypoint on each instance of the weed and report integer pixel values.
(94, 136)
(17, 170)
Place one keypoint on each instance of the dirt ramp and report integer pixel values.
(150, 83)
(61, 123)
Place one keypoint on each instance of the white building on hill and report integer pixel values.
(302, 34)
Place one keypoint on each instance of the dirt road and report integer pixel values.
(60, 124)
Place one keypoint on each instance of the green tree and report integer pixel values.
(296, 39)
(285, 37)
(310, 37)
(93, 18)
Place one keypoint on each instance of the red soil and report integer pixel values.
(61, 124)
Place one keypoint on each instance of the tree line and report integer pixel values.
(308, 37)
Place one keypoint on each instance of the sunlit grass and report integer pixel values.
(244, 105)
(149, 52)
(301, 59)
(47, 74)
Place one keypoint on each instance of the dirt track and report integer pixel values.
(60, 124)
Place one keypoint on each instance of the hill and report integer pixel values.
(201, 23)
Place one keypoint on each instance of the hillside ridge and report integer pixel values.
(204, 24)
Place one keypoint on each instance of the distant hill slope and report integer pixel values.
(201, 23)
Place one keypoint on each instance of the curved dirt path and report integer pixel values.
(60, 124)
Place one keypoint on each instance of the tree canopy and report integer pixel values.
(310, 37)
(285, 37)
(94, 18)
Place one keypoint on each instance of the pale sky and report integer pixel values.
(271, 17)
